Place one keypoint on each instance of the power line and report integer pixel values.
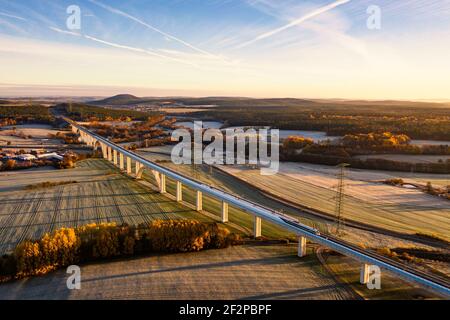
(340, 194)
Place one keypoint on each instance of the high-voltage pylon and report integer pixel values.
(340, 194)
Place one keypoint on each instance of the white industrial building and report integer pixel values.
(25, 157)
(52, 155)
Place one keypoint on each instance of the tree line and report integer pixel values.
(428, 122)
(92, 242)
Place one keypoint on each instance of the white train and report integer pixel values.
(294, 222)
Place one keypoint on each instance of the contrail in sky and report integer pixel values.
(169, 36)
(120, 46)
(112, 44)
(295, 22)
(12, 16)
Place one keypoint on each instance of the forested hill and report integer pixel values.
(84, 112)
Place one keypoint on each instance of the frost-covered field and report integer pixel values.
(244, 272)
(101, 194)
(366, 200)
(30, 134)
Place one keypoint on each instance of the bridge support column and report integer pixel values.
(257, 227)
(199, 202)
(162, 186)
(121, 163)
(115, 157)
(104, 151)
(179, 191)
(109, 151)
(138, 170)
(128, 165)
(364, 275)
(301, 247)
(224, 212)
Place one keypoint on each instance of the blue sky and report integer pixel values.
(227, 47)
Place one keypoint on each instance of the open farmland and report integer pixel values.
(407, 158)
(229, 183)
(213, 207)
(28, 135)
(101, 194)
(367, 201)
(222, 181)
(241, 272)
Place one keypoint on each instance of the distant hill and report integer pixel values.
(128, 99)
(84, 112)
(119, 99)
(243, 102)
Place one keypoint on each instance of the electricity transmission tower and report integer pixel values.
(340, 193)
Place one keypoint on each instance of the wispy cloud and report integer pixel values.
(139, 50)
(120, 46)
(143, 23)
(12, 16)
(295, 22)
(65, 31)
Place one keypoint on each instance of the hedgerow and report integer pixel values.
(93, 242)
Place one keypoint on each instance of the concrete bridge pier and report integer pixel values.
(162, 185)
(364, 274)
(109, 151)
(301, 247)
(115, 157)
(121, 162)
(224, 212)
(104, 151)
(128, 165)
(257, 227)
(179, 191)
(138, 168)
(199, 202)
(89, 141)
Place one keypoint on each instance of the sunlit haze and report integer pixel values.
(259, 48)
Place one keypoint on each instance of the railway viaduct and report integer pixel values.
(124, 159)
